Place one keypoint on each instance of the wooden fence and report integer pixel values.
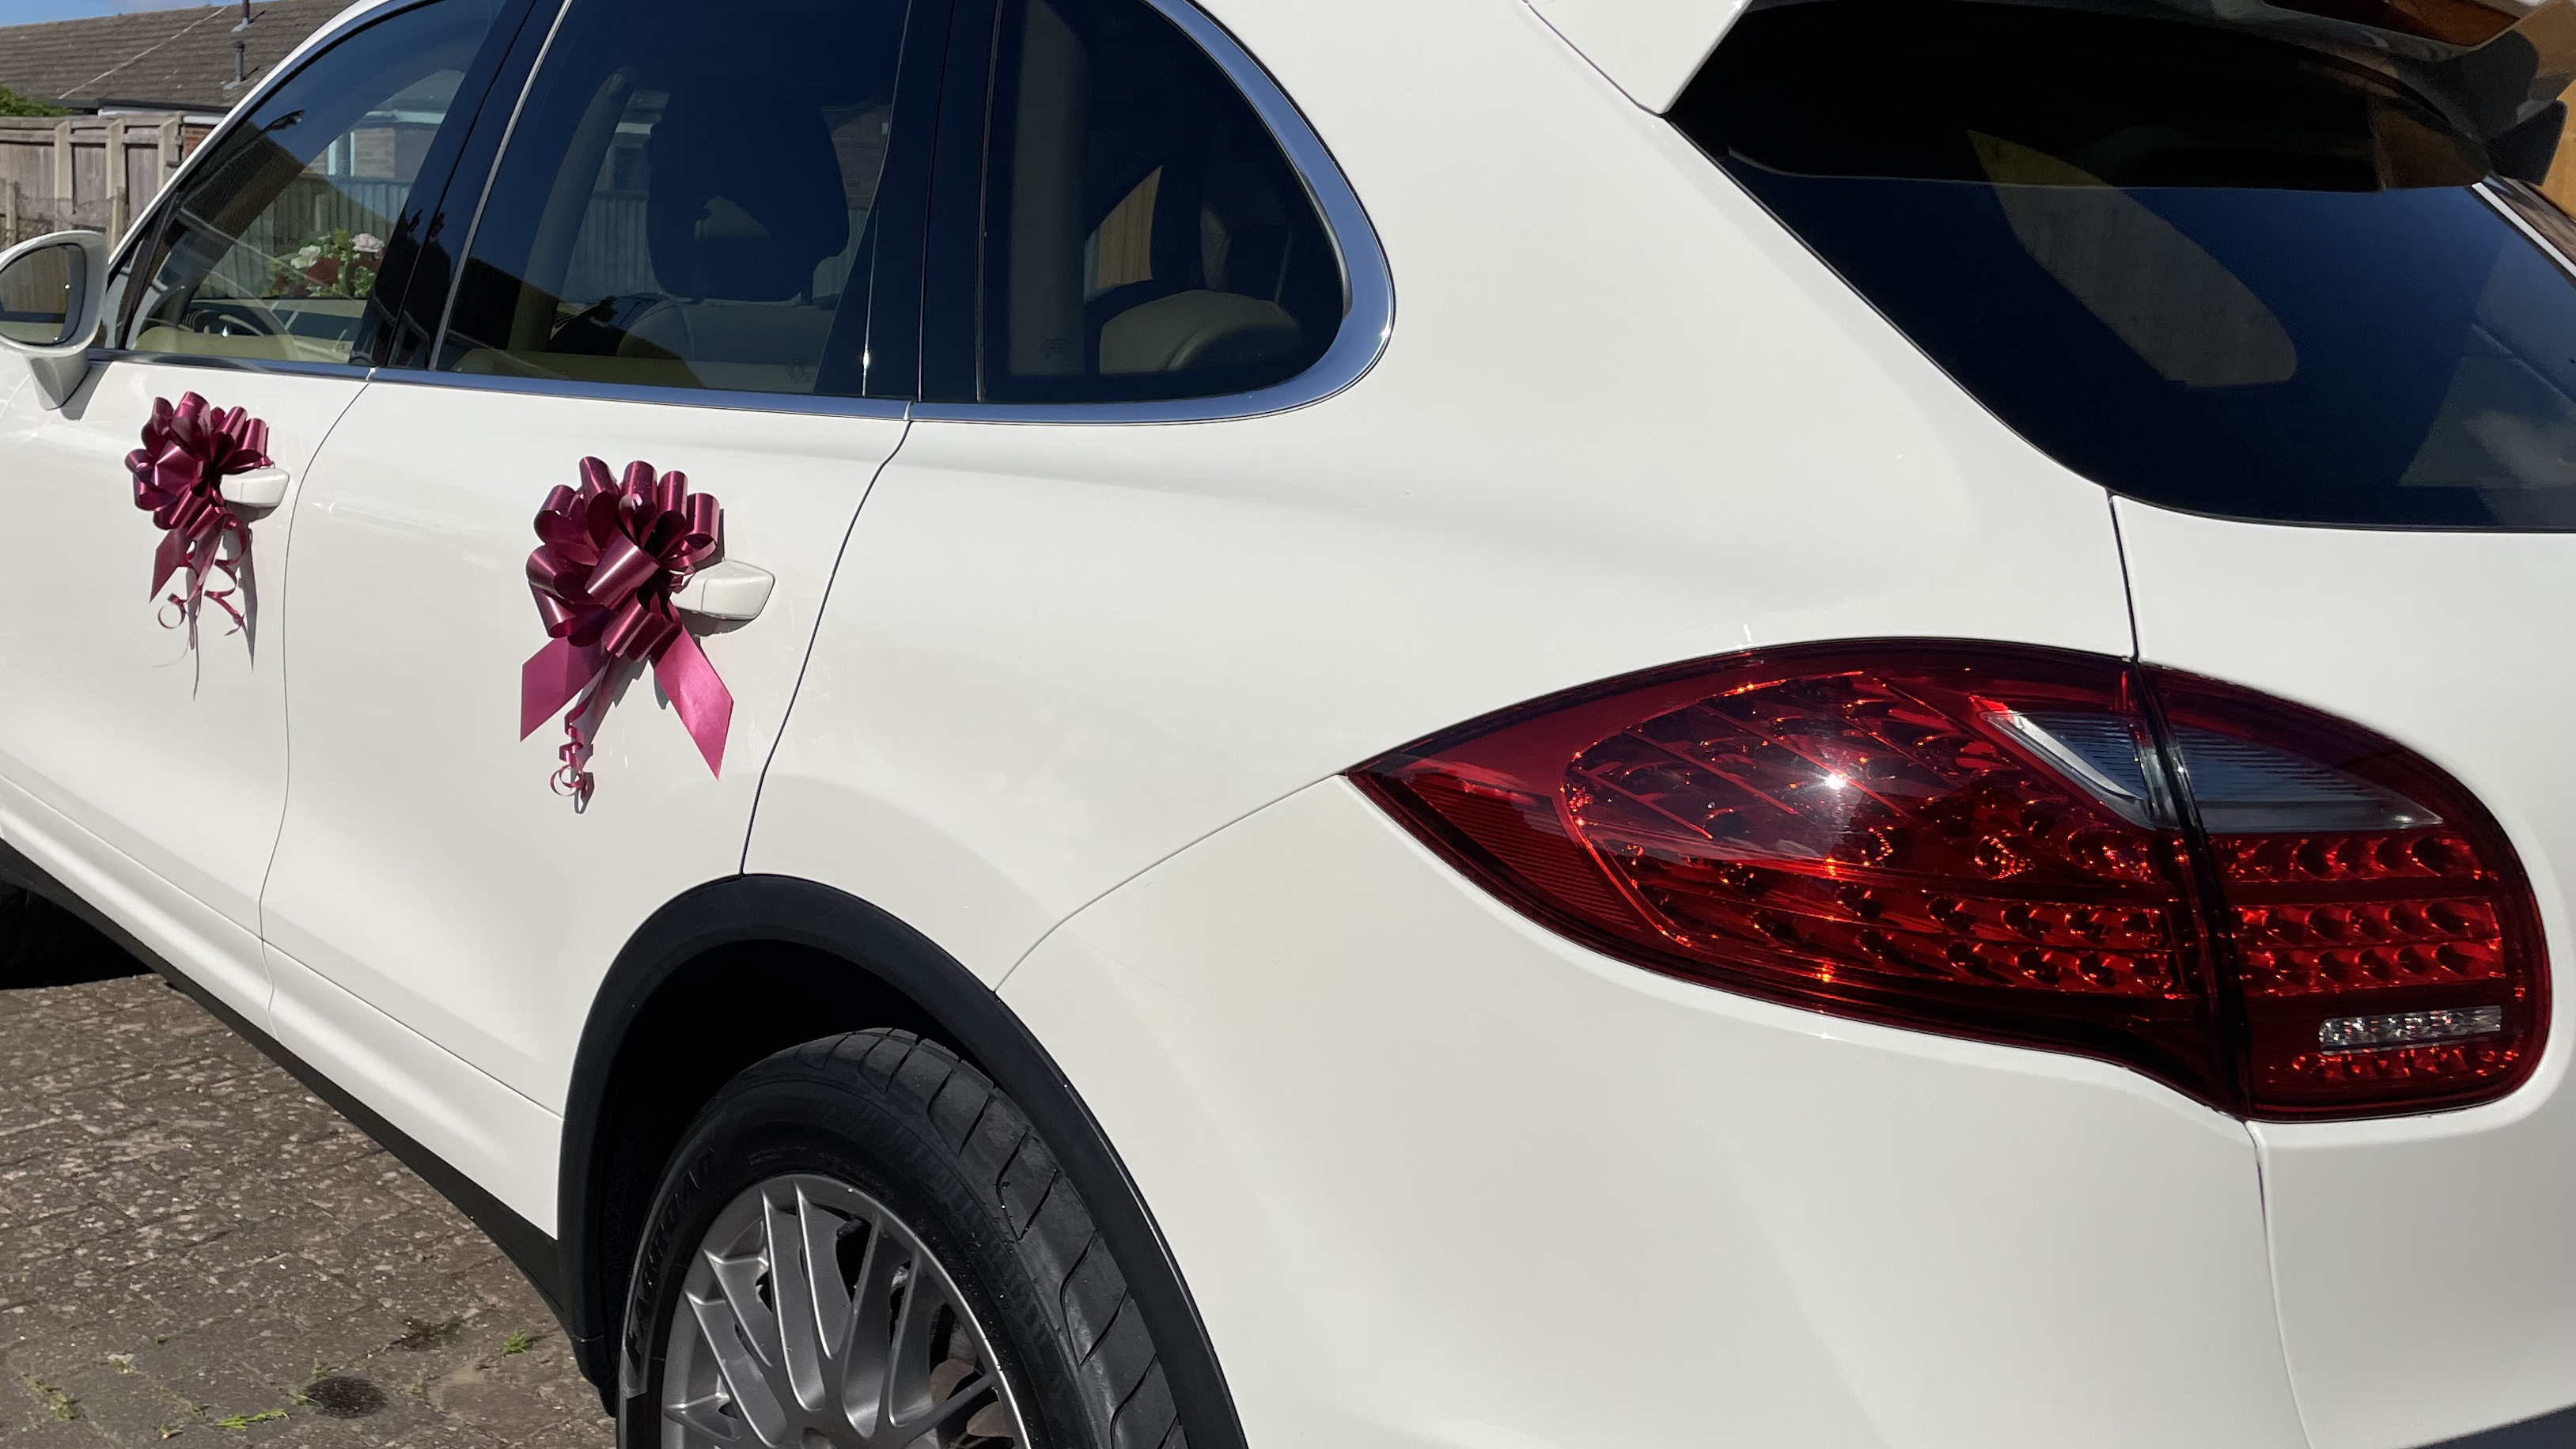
(95, 172)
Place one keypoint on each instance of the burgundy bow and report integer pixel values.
(187, 452)
(610, 554)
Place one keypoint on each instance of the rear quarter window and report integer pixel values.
(2209, 270)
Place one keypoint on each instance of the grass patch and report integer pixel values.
(244, 1421)
(518, 1341)
(57, 1403)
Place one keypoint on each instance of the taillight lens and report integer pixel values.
(1995, 842)
(2386, 947)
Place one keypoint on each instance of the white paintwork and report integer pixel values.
(215, 952)
(425, 866)
(1434, 1177)
(258, 488)
(728, 589)
(173, 760)
(1157, 629)
(508, 1144)
(1648, 48)
(2427, 1264)
(1440, 1178)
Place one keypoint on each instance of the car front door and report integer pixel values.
(143, 733)
(493, 786)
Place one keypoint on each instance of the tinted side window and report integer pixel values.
(2206, 268)
(1144, 236)
(686, 199)
(271, 249)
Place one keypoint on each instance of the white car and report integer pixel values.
(1455, 725)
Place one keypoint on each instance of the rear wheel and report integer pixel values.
(863, 1244)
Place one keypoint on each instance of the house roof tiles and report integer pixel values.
(158, 59)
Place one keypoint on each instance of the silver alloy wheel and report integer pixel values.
(812, 1317)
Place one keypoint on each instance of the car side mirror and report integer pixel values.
(51, 292)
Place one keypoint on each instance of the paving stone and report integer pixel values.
(189, 1240)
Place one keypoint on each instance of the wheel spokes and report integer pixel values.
(823, 1231)
(778, 1344)
(805, 1287)
(906, 1391)
(884, 1268)
(706, 1417)
(746, 1378)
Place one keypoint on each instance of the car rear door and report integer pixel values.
(660, 339)
(143, 735)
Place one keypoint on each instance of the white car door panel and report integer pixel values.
(172, 755)
(160, 742)
(663, 223)
(217, 952)
(507, 1144)
(427, 866)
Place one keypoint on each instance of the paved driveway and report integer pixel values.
(192, 1247)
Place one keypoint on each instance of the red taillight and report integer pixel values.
(1999, 843)
(2387, 950)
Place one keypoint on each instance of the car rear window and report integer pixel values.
(2208, 270)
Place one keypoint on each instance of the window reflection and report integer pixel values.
(272, 249)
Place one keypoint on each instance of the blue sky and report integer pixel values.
(23, 12)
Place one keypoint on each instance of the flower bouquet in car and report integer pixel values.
(334, 263)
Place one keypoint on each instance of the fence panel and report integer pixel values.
(86, 172)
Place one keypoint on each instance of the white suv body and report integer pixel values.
(1042, 745)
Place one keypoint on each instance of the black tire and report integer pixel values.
(930, 1137)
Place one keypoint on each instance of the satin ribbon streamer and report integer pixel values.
(610, 554)
(187, 452)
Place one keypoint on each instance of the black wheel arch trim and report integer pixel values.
(750, 910)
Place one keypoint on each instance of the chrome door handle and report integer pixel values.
(727, 590)
(258, 488)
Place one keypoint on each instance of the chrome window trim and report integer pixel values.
(281, 367)
(2504, 205)
(828, 405)
(1368, 315)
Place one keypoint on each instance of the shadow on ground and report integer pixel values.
(41, 944)
(96, 958)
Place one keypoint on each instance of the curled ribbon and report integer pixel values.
(609, 555)
(178, 474)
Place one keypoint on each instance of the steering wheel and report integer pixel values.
(236, 317)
